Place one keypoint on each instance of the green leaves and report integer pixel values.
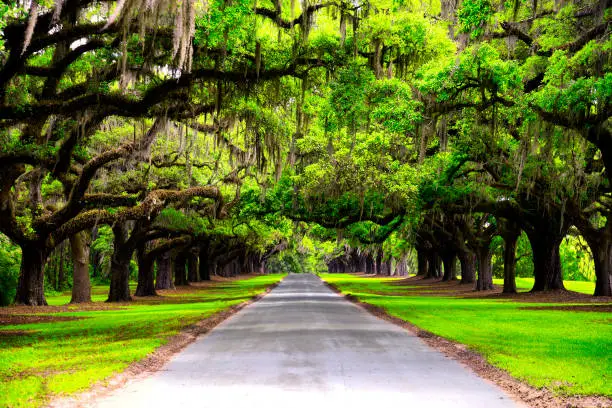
(393, 106)
(474, 15)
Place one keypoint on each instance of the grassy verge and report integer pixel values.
(566, 351)
(43, 359)
(525, 285)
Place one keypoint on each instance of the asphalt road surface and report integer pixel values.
(303, 345)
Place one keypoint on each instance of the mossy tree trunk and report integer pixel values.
(203, 267)
(192, 265)
(546, 261)
(146, 283)
(434, 265)
(30, 287)
(467, 259)
(421, 263)
(510, 233)
(450, 270)
(164, 272)
(180, 275)
(120, 266)
(485, 273)
(81, 285)
(600, 243)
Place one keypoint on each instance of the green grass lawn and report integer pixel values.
(40, 360)
(525, 285)
(569, 352)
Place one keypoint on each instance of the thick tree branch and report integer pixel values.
(275, 15)
(150, 207)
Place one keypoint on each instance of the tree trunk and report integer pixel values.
(51, 269)
(450, 269)
(378, 263)
(434, 265)
(369, 265)
(146, 284)
(180, 276)
(485, 274)
(546, 262)
(222, 270)
(31, 288)
(384, 271)
(61, 276)
(603, 270)
(390, 267)
(601, 248)
(120, 279)
(61, 272)
(163, 279)
(421, 263)
(204, 269)
(468, 267)
(362, 264)
(192, 265)
(120, 266)
(81, 285)
(401, 267)
(510, 240)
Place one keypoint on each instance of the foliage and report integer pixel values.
(10, 258)
(474, 15)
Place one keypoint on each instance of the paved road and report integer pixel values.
(302, 345)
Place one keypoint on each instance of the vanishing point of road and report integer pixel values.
(303, 345)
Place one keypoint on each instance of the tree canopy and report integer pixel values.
(381, 136)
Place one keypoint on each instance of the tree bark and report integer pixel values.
(390, 267)
(510, 235)
(485, 275)
(204, 268)
(81, 285)
(378, 263)
(51, 269)
(30, 287)
(120, 266)
(603, 269)
(180, 276)
(164, 272)
(450, 269)
(146, 284)
(362, 264)
(468, 267)
(600, 243)
(421, 263)
(401, 267)
(120, 280)
(369, 265)
(546, 262)
(433, 265)
(601, 248)
(61, 276)
(192, 265)
(384, 270)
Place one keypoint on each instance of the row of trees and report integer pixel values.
(507, 134)
(111, 114)
(230, 127)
